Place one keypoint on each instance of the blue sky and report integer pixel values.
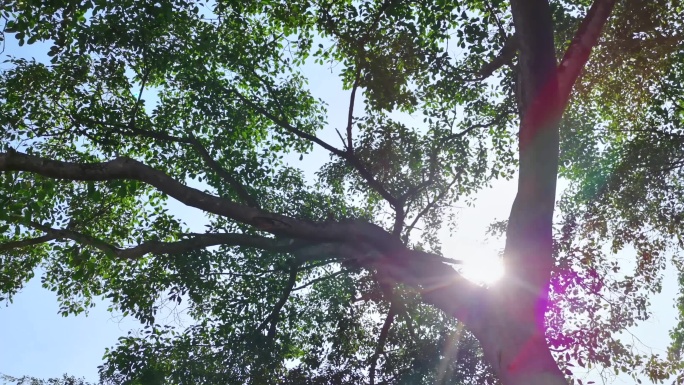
(35, 340)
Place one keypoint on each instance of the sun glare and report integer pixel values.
(483, 269)
(481, 262)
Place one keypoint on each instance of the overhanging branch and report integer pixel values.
(26, 242)
(132, 130)
(369, 244)
(304, 251)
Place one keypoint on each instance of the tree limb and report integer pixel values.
(240, 189)
(83, 239)
(382, 338)
(26, 242)
(577, 54)
(439, 284)
(505, 57)
(304, 251)
(413, 190)
(131, 130)
(350, 115)
(273, 317)
(319, 279)
(498, 119)
(346, 155)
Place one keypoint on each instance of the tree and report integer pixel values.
(288, 282)
(65, 380)
(622, 154)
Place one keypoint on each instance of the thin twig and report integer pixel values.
(431, 204)
(320, 279)
(498, 119)
(239, 188)
(352, 160)
(350, 116)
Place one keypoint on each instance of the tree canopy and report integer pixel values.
(321, 261)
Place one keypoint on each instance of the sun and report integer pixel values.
(483, 268)
(480, 262)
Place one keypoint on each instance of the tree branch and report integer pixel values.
(577, 54)
(240, 189)
(136, 108)
(286, 125)
(192, 141)
(83, 239)
(26, 242)
(319, 279)
(305, 251)
(413, 190)
(505, 57)
(350, 116)
(382, 338)
(498, 119)
(371, 245)
(273, 317)
(430, 205)
(348, 156)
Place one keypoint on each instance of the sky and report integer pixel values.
(35, 340)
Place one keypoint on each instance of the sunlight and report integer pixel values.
(483, 269)
(480, 257)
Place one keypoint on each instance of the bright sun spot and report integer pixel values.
(480, 261)
(483, 269)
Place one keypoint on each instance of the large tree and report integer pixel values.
(334, 280)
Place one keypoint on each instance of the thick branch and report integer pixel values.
(577, 54)
(440, 284)
(26, 242)
(201, 241)
(304, 251)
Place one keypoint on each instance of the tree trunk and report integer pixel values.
(511, 329)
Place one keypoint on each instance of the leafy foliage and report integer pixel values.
(622, 153)
(216, 95)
